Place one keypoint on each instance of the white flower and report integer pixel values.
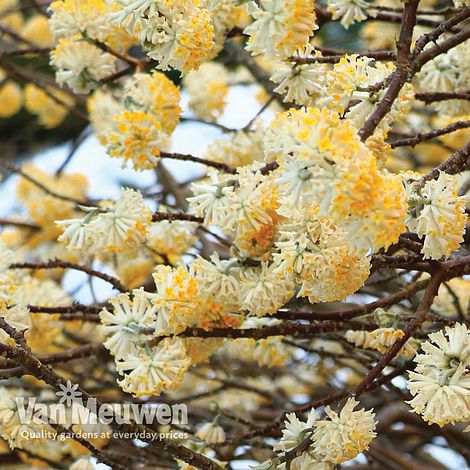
(81, 65)
(124, 226)
(300, 83)
(136, 137)
(343, 435)
(440, 217)
(211, 433)
(71, 17)
(219, 277)
(78, 233)
(154, 370)
(207, 88)
(448, 350)
(295, 431)
(281, 26)
(317, 253)
(175, 298)
(441, 396)
(350, 11)
(264, 291)
(16, 316)
(125, 327)
(441, 383)
(176, 34)
(240, 148)
(211, 200)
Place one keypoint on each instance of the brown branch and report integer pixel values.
(401, 73)
(433, 35)
(202, 161)
(159, 216)
(457, 162)
(295, 329)
(412, 326)
(424, 136)
(438, 49)
(16, 223)
(348, 314)
(60, 264)
(442, 96)
(30, 50)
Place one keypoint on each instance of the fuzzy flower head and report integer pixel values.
(154, 94)
(300, 83)
(239, 148)
(125, 327)
(348, 89)
(116, 227)
(81, 65)
(316, 252)
(71, 17)
(11, 97)
(175, 299)
(207, 88)
(154, 370)
(50, 113)
(441, 382)
(263, 290)
(295, 431)
(176, 34)
(137, 137)
(211, 433)
(382, 339)
(280, 27)
(210, 198)
(323, 162)
(438, 214)
(344, 435)
(349, 11)
(220, 277)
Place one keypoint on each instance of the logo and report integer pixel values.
(68, 393)
(72, 409)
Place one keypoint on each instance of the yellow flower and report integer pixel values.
(137, 137)
(11, 97)
(50, 113)
(36, 30)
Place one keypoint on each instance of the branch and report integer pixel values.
(400, 75)
(433, 35)
(296, 329)
(159, 216)
(423, 136)
(202, 161)
(457, 162)
(59, 264)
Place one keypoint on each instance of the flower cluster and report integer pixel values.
(437, 214)
(280, 27)
(177, 34)
(322, 161)
(356, 86)
(115, 227)
(337, 438)
(138, 123)
(440, 383)
(207, 88)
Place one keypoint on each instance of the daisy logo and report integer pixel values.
(69, 393)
